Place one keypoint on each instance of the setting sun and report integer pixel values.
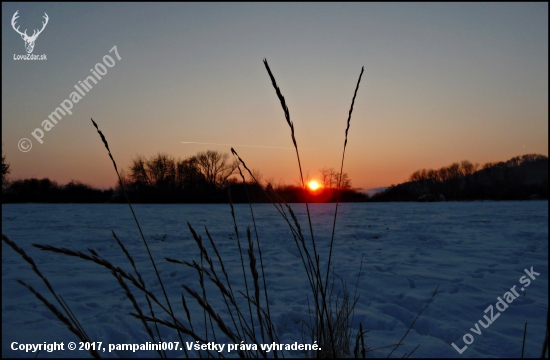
(313, 185)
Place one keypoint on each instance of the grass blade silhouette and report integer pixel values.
(340, 179)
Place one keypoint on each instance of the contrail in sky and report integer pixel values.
(258, 146)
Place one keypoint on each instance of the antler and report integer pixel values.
(34, 34)
(15, 17)
(43, 26)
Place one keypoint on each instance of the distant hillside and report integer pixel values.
(372, 191)
(520, 178)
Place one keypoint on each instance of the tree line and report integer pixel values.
(210, 177)
(207, 177)
(521, 177)
(48, 191)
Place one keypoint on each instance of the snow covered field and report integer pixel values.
(475, 251)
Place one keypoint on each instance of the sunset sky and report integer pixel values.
(442, 83)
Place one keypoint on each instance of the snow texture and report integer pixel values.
(475, 251)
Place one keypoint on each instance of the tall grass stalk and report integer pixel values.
(269, 330)
(414, 321)
(140, 279)
(241, 256)
(177, 325)
(70, 321)
(341, 172)
(140, 232)
(323, 318)
(224, 291)
(317, 285)
(312, 271)
(295, 229)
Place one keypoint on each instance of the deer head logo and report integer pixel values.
(29, 40)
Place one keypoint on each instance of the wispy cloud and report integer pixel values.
(257, 146)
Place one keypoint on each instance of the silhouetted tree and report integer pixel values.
(161, 178)
(327, 177)
(5, 170)
(330, 179)
(158, 171)
(188, 174)
(215, 168)
(32, 190)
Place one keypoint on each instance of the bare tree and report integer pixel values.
(270, 183)
(467, 168)
(215, 168)
(257, 175)
(162, 169)
(415, 176)
(188, 173)
(5, 170)
(159, 170)
(326, 176)
(330, 179)
(346, 181)
(139, 171)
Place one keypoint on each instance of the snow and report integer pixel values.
(474, 251)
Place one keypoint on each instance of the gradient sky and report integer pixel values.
(442, 83)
